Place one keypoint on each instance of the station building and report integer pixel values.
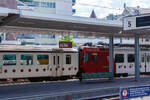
(63, 7)
(59, 7)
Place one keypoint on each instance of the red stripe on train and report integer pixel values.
(1, 68)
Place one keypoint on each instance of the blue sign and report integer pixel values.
(134, 92)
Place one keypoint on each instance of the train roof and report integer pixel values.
(119, 47)
(29, 48)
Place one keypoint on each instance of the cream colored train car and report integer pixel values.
(37, 63)
(125, 58)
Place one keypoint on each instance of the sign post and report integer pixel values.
(136, 24)
(134, 92)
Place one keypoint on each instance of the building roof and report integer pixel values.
(93, 15)
(34, 22)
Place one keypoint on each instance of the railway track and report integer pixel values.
(106, 97)
(26, 81)
(10, 82)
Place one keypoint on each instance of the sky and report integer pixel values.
(104, 7)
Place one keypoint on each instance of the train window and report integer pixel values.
(26, 59)
(9, 59)
(148, 58)
(68, 59)
(85, 57)
(131, 58)
(58, 60)
(95, 57)
(119, 58)
(53, 60)
(142, 59)
(43, 59)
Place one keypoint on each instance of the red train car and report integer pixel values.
(94, 63)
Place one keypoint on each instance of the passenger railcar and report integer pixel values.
(94, 63)
(125, 58)
(37, 63)
(42, 63)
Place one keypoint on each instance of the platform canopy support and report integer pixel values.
(137, 58)
(111, 54)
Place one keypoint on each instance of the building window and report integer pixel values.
(74, 10)
(119, 58)
(26, 59)
(44, 4)
(146, 40)
(68, 59)
(39, 4)
(43, 59)
(9, 59)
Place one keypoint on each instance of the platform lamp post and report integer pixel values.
(137, 58)
(111, 55)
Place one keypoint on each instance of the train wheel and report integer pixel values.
(14, 79)
(35, 79)
(117, 75)
(3, 80)
(63, 78)
(125, 75)
(55, 79)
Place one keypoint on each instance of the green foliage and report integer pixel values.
(67, 38)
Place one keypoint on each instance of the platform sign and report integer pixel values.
(65, 44)
(134, 92)
(136, 22)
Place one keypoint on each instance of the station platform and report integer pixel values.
(68, 90)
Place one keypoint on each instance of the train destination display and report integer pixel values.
(143, 21)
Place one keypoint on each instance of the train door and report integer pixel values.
(147, 69)
(119, 59)
(1, 65)
(68, 62)
(57, 64)
(130, 66)
(145, 59)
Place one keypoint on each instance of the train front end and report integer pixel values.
(94, 63)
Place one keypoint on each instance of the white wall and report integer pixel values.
(64, 7)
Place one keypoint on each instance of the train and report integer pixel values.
(37, 63)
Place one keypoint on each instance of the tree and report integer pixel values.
(67, 38)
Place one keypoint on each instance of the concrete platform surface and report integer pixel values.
(68, 90)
